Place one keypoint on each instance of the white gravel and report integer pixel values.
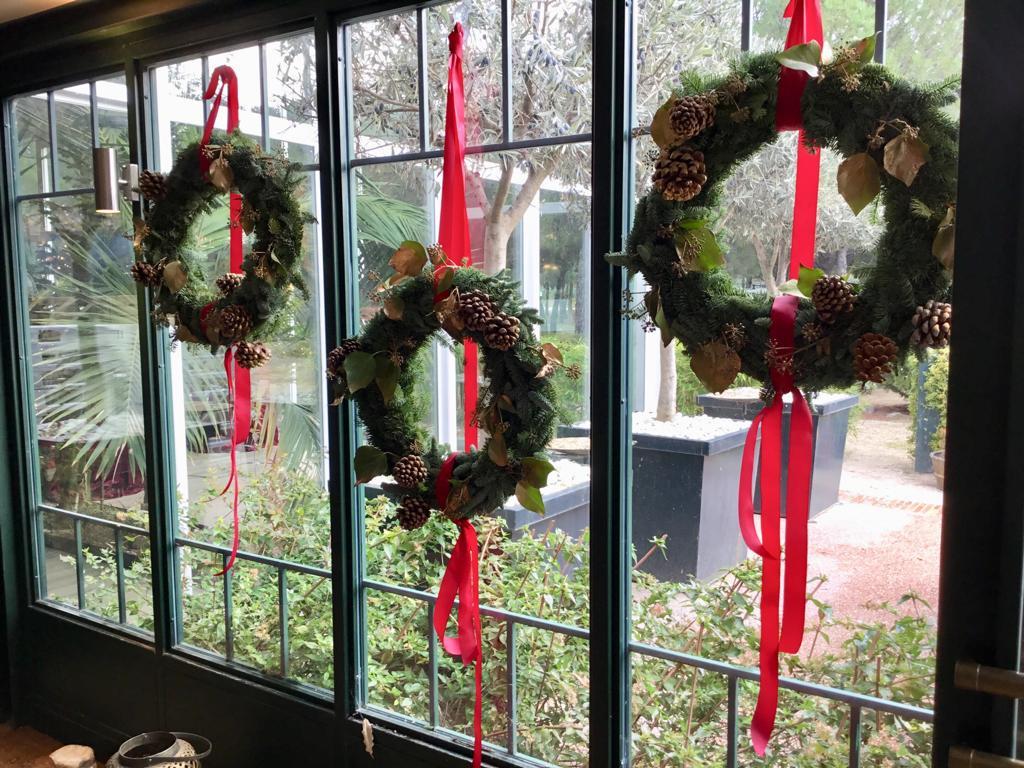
(686, 427)
(567, 474)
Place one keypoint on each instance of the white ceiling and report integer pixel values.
(14, 9)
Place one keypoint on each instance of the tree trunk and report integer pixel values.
(766, 264)
(667, 387)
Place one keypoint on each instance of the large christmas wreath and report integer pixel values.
(378, 370)
(899, 148)
(241, 309)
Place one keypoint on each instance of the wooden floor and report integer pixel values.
(25, 748)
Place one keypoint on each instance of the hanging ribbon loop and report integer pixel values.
(785, 594)
(239, 384)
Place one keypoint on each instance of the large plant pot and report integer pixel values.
(939, 468)
(567, 509)
(686, 490)
(831, 415)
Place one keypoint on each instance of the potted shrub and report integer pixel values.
(936, 388)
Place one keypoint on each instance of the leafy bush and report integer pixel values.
(678, 713)
(936, 394)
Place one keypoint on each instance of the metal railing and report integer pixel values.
(856, 702)
(79, 519)
(282, 567)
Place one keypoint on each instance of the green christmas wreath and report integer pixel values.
(899, 148)
(517, 408)
(242, 308)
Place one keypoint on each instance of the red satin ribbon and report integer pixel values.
(453, 229)
(784, 634)
(461, 580)
(239, 384)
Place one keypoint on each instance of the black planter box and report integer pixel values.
(567, 509)
(685, 490)
(831, 423)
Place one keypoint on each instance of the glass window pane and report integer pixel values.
(384, 73)
(924, 41)
(529, 214)
(284, 509)
(552, 68)
(691, 35)
(32, 145)
(291, 80)
(112, 116)
(845, 21)
(695, 587)
(74, 137)
(246, 63)
(177, 104)
(481, 68)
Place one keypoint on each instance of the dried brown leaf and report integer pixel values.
(858, 180)
(716, 365)
(174, 276)
(368, 737)
(221, 175)
(904, 157)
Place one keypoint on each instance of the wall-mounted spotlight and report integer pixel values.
(108, 183)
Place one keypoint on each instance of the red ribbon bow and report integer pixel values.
(461, 580)
(806, 25)
(239, 384)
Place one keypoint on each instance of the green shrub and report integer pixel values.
(678, 713)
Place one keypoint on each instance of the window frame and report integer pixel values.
(131, 52)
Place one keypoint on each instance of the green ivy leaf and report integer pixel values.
(360, 370)
(865, 48)
(859, 181)
(387, 377)
(662, 322)
(369, 463)
(808, 277)
(536, 470)
(710, 254)
(790, 288)
(529, 497)
(804, 57)
(446, 279)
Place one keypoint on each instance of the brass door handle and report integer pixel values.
(971, 676)
(962, 757)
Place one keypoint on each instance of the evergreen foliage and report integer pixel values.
(273, 266)
(843, 114)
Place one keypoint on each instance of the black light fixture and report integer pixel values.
(107, 182)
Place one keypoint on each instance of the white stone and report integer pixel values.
(73, 756)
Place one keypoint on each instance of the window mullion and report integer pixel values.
(745, 24)
(881, 14)
(610, 450)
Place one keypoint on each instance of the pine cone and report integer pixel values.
(228, 283)
(251, 355)
(235, 322)
(501, 332)
(679, 174)
(146, 273)
(336, 357)
(410, 471)
(812, 332)
(873, 356)
(832, 296)
(153, 185)
(413, 513)
(734, 335)
(475, 309)
(932, 324)
(690, 115)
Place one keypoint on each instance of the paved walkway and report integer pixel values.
(881, 541)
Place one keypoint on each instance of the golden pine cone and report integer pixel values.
(932, 324)
(690, 115)
(832, 296)
(413, 513)
(873, 357)
(251, 355)
(501, 332)
(679, 174)
(228, 283)
(146, 273)
(235, 322)
(153, 185)
(734, 335)
(410, 471)
(475, 309)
